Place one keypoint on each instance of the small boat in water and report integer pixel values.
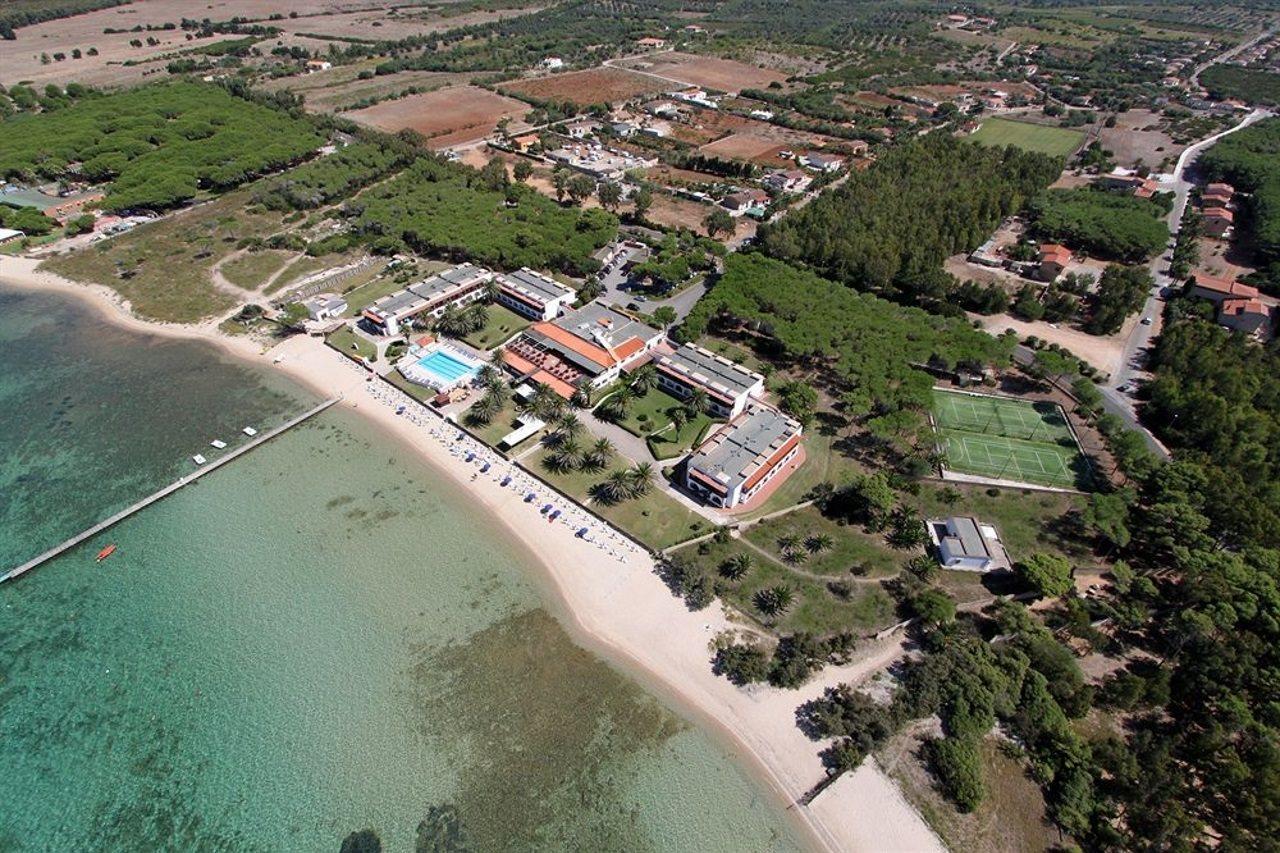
(198, 459)
(218, 443)
(106, 552)
(249, 431)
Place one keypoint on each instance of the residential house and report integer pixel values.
(744, 201)
(1217, 221)
(743, 456)
(1250, 316)
(581, 128)
(1218, 289)
(657, 128)
(314, 65)
(787, 181)
(966, 544)
(552, 63)
(1217, 195)
(820, 162)
(325, 306)
(10, 235)
(1053, 261)
(534, 295)
(651, 43)
(762, 115)
(728, 385)
(431, 297)
(623, 129)
(584, 349)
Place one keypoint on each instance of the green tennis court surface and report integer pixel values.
(1009, 440)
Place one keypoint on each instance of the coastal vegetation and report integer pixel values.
(335, 177)
(436, 208)
(872, 350)
(1105, 224)
(889, 229)
(1251, 85)
(157, 146)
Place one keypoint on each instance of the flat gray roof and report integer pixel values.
(966, 534)
(738, 450)
(529, 283)
(702, 367)
(447, 280)
(599, 324)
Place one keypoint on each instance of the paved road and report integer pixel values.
(1225, 55)
(616, 291)
(1139, 341)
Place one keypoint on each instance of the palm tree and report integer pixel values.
(783, 596)
(619, 403)
(641, 479)
(475, 317)
(818, 543)
(599, 454)
(491, 290)
(451, 322)
(644, 379)
(696, 402)
(565, 456)
(568, 426)
(491, 378)
(615, 488)
(679, 417)
(788, 543)
(485, 409)
(736, 567)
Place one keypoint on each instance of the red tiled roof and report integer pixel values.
(770, 463)
(1226, 286)
(1240, 306)
(1218, 213)
(572, 342)
(1053, 253)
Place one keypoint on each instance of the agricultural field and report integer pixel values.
(323, 93)
(593, 86)
(1006, 439)
(1055, 141)
(725, 75)
(449, 116)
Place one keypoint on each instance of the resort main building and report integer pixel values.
(458, 286)
(727, 384)
(587, 348)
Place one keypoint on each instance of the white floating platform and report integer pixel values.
(198, 459)
(218, 443)
(249, 431)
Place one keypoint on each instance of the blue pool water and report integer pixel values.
(445, 367)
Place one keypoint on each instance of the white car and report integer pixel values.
(1146, 321)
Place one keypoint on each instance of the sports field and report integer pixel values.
(1056, 141)
(1009, 440)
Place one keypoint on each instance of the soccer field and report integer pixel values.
(1056, 141)
(1009, 440)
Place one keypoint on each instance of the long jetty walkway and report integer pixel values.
(165, 492)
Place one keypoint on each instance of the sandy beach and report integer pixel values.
(610, 596)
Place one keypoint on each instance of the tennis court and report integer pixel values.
(1029, 442)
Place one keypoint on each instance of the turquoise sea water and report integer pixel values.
(321, 637)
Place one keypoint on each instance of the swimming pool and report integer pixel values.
(441, 368)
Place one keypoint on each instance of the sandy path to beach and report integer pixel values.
(612, 599)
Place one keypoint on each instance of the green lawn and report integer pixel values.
(362, 296)
(1056, 141)
(421, 393)
(1027, 521)
(852, 548)
(657, 520)
(500, 323)
(350, 344)
(649, 413)
(672, 443)
(817, 609)
(250, 271)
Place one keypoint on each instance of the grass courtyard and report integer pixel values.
(1055, 141)
(500, 323)
(656, 519)
(1007, 439)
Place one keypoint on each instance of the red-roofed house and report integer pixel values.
(1249, 316)
(1053, 261)
(1217, 195)
(1216, 288)
(1217, 221)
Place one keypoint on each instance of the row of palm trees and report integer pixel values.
(624, 484)
(494, 399)
(795, 550)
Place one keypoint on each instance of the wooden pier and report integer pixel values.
(165, 492)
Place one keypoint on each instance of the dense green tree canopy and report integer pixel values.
(888, 229)
(1105, 224)
(158, 146)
